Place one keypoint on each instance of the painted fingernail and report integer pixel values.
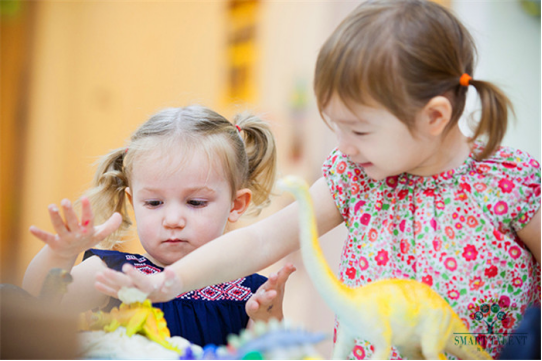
(85, 223)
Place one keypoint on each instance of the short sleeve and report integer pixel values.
(528, 193)
(515, 186)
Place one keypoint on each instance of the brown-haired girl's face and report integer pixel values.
(178, 208)
(379, 142)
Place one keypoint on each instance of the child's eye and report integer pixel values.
(197, 203)
(359, 133)
(153, 203)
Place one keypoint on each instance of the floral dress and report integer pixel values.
(455, 231)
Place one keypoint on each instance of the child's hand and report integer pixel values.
(266, 303)
(160, 287)
(73, 237)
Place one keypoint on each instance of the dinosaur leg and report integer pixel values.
(382, 345)
(344, 344)
(437, 332)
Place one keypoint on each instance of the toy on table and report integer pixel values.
(400, 312)
(273, 340)
(136, 314)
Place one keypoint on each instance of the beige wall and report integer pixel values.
(100, 69)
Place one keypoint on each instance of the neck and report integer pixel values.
(448, 152)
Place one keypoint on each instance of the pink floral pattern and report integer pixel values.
(455, 231)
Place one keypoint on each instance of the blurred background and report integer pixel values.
(77, 77)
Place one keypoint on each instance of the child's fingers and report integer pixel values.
(87, 218)
(138, 279)
(110, 226)
(44, 236)
(71, 218)
(285, 273)
(111, 281)
(271, 281)
(57, 221)
(103, 288)
(252, 305)
(267, 297)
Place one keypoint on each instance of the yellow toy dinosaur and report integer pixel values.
(400, 312)
(137, 317)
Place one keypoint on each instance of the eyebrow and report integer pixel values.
(203, 188)
(345, 121)
(190, 190)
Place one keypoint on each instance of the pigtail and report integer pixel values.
(108, 194)
(262, 158)
(494, 118)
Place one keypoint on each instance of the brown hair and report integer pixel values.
(247, 157)
(401, 54)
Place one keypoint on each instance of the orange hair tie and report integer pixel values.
(464, 80)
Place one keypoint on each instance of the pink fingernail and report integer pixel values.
(86, 222)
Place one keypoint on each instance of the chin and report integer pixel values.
(377, 176)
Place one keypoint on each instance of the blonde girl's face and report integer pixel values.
(375, 139)
(178, 210)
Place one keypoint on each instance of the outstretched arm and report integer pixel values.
(233, 255)
(72, 237)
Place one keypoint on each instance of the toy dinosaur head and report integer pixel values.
(292, 184)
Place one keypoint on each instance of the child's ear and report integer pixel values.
(128, 192)
(240, 204)
(436, 115)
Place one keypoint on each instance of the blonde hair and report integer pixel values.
(401, 54)
(247, 157)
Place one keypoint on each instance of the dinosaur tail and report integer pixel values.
(465, 345)
(334, 292)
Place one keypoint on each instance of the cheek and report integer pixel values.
(146, 222)
(214, 222)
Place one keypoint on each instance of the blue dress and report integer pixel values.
(204, 316)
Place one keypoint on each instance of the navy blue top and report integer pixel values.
(203, 316)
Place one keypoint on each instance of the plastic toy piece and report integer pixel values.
(275, 340)
(405, 313)
(137, 317)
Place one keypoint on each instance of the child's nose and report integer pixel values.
(174, 218)
(346, 147)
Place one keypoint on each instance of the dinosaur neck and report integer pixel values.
(334, 292)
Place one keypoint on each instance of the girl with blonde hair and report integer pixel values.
(187, 173)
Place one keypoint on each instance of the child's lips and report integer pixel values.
(175, 240)
(366, 164)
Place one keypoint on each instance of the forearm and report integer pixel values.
(239, 253)
(40, 265)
